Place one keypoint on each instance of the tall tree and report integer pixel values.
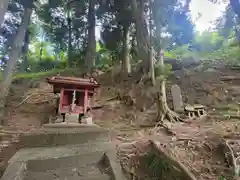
(69, 22)
(126, 60)
(141, 33)
(13, 57)
(91, 40)
(25, 48)
(3, 10)
(235, 4)
(151, 61)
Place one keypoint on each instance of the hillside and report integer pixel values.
(127, 108)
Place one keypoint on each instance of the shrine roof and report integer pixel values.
(73, 81)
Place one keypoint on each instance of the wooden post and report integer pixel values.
(61, 100)
(85, 100)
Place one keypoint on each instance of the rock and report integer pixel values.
(189, 62)
(176, 64)
(177, 98)
(210, 70)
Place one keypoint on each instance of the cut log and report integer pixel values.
(229, 78)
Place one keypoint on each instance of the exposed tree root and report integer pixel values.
(146, 158)
(173, 161)
(233, 161)
(163, 110)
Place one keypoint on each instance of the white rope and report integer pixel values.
(73, 100)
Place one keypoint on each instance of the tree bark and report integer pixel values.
(235, 4)
(91, 47)
(24, 64)
(141, 34)
(164, 110)
(151, 62)
(11, 63)
(3, 10)
(41, 47)
(126, 61)
(69, 62)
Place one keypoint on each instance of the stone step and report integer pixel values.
(9, 132)
(67, 162)
(4, 136)
(72, 162)
(28, 154)
(76, 167)
(90, 172)
(60, 135)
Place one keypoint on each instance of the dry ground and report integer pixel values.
(128, 110)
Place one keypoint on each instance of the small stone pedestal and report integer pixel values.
(71, 118)
(195, 111)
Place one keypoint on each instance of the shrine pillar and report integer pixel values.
(85, 100)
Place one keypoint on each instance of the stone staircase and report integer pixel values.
(8, 147)
(76, 153)
(78, 167)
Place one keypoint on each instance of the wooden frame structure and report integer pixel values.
(75, 93)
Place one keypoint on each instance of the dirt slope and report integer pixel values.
(127, 104)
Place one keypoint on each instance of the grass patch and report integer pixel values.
(40, 75)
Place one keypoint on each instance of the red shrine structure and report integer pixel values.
(75, 93)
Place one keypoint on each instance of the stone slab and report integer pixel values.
(15, 171)
(72, 162)
(177, 98)
(72, 155)
(43, 153)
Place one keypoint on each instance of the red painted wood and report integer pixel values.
(85, 89)
(61, 100)
(85, 100)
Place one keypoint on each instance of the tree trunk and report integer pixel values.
(126, 65)
(164, 110)
(3, 10)
(24, 64)
(91, 47)
(141, 34)
(11, 63)
(69, 62)
(235, 4)
(151, 62)
(41, 47)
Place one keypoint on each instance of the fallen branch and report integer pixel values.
(24, 100)
(229, 78)
(112, 99)
(44, 101)
(235, 160)
(97, 107)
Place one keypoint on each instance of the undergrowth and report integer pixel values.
(39, 75)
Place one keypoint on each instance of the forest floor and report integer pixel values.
(126, 106)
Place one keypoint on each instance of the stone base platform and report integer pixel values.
(65, 125)
(65, 151)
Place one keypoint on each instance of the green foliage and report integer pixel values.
(181, 51)
(40, 75)
(207, 41)
(37, 75)
(169, 54)
(230, 55)
(165, 71)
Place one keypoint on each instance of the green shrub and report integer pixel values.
(166, 71)
(38, 75)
